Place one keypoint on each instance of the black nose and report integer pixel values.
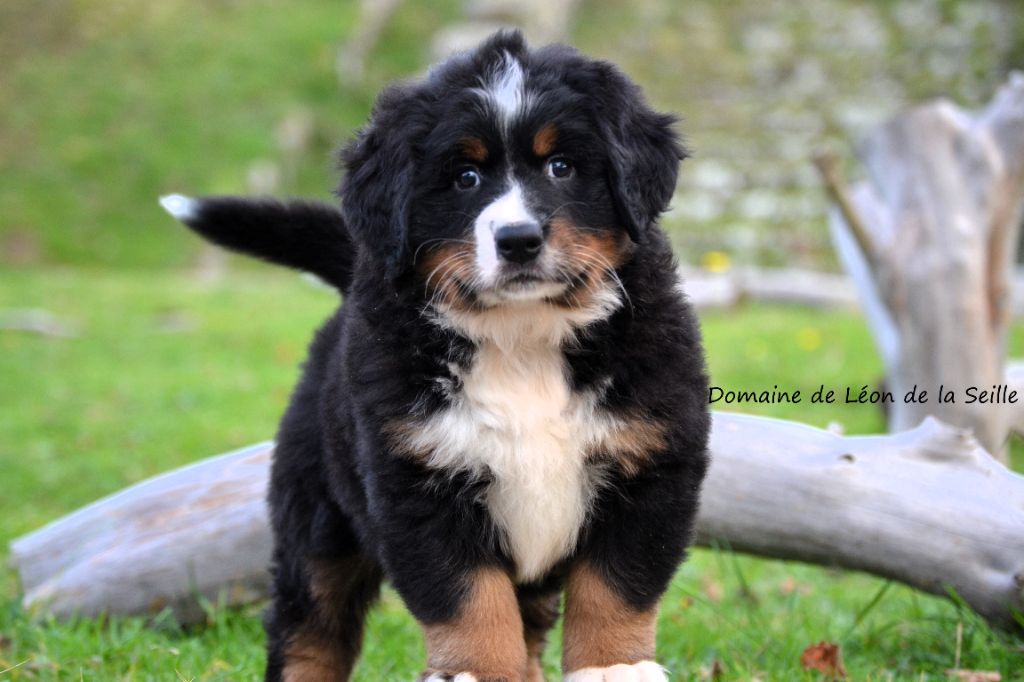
(519, 242)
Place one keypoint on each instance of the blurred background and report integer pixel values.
(107, 104)
(127, 347)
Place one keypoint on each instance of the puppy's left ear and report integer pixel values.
(644, 152)
(376, 192)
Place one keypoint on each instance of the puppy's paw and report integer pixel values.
(644, 671)
(438, 676)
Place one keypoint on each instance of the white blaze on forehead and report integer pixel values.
(505, 87)
(507, 209)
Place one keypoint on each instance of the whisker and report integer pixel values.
(416, 254)
(559, 208)
(599, 259)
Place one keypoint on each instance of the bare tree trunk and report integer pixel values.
(930, 239)
(928, 507)
(374, 17)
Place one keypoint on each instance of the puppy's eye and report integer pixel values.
(559, 167)
(467, 178)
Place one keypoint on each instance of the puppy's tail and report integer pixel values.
(309, 236)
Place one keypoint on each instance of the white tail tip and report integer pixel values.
(180, 206)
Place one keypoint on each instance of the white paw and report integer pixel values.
(180, 206)
(644, 671)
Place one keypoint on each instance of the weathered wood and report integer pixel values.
(928, 507)
(814, 288)
(350, 60)
(198, 530)
(773, 285)
(929, 239)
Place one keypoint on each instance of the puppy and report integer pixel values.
(511, 403)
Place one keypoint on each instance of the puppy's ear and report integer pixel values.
(376, 191)
(644, 151)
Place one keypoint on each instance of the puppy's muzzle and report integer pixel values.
(519, 242)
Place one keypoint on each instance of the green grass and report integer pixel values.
(166, 370)
(106, 106)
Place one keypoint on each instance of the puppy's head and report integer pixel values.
(510, 175)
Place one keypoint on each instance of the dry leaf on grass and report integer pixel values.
(825, 658)
(712, 590)
(711, 673)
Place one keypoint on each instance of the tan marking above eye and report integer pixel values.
(544, 140)
(474, 149)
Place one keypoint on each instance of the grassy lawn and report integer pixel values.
(165, 370)
(107, 105)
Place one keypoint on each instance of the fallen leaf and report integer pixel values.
(789, 585)
(711, 673)
(825, 658)
(974, 675)
(712, 590)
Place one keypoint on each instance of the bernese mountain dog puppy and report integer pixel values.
(512, 401)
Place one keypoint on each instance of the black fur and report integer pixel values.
(307, 235)
(340, 492)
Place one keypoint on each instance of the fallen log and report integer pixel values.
(927, 507)
(198, 531)
(773, 285)
(813, 288)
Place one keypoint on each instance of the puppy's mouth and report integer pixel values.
(522, 283)
(523, 279)
(452, 278)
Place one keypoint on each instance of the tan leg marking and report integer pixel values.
(310, 658)
(544, 140)
(326, 648)
(485, 639)
(602, 630)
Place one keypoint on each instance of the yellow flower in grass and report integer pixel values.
(716, 261)
(808, 338)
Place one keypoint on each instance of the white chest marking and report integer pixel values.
(517, 422)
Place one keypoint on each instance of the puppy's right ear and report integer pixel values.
(376, 191)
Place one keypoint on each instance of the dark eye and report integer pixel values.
(559, 167)
(467, 178)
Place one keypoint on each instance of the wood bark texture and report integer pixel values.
(930, 239)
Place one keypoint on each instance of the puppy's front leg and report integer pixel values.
(483, 642)
(606, 639)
